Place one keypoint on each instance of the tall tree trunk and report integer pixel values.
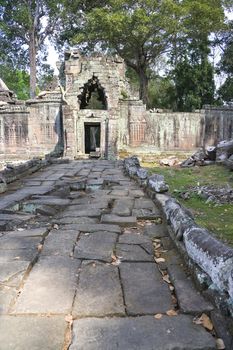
(143, 89)
(32, 55)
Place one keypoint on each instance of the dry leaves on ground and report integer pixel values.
(205, 321)
(158, 316)
(159, 260)
(171, 313)
(220, 344)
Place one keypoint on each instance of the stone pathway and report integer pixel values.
(86, 263)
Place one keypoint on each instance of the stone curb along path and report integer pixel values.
(88, 264)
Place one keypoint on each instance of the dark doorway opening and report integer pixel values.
(92, 137)
(93, 95)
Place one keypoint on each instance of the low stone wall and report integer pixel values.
(209, 259)
(15, 172)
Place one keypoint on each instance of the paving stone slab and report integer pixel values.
(136, 193)
(50, 287)
(99, 291)
(189, 300)
(144, 290)
(18, 242)
(134, 238)
(32, 333)
(60, 244)
(75, 220)
(134, 252)
(34, 232)
(119, 220)
(119, 193)
(11, 273)
(7, 296)
(145, 214)
(144, 203)
(18, 254)
(93, 213)
(96, 246)
(93, 228)
(140, 333)
(155, 231)
(123, 207)
(89, 206)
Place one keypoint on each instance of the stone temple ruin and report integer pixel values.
(95, 113)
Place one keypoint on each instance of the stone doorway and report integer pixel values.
(92, 138)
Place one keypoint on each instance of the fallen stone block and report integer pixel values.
(224, 150)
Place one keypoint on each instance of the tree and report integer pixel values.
(141, 31)
(193, 76)
(226, 65)
(16, 80)
(24, 26)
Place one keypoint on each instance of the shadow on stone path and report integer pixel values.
(78, 270)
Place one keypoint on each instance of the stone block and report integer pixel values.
(144, 290)
(144, 333)
(119, 220)
(99, 291)
(135, 252)
(189, 300)
(50, 287)
(96, 246)
(122, 207)
(214, 257)
(157, 183)
(32, 332)
(155, 231)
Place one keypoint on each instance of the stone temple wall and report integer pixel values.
(30, 130)
(66, 119)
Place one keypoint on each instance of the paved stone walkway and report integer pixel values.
(86, 264)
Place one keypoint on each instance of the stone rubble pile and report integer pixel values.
(210, 259)
(217, 195)
(222, 153)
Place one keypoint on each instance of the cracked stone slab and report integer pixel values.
(119, 220)
(123, 207)
(75, 220)
(50, 287)
(144, 290)
(155, 231)
(140, 333)
(7, 295)
(60, 243)
(145, 214)
(189, 300)
(134, 252)
(136, 193)
(89, 206)
(96, 246)
(11, 273)
(34, 333)
(99, 291)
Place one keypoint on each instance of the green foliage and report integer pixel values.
(162, 93)
(226, 90)
(16, 80)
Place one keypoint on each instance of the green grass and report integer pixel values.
(217, 219)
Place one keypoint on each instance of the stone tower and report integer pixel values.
(98, 104)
